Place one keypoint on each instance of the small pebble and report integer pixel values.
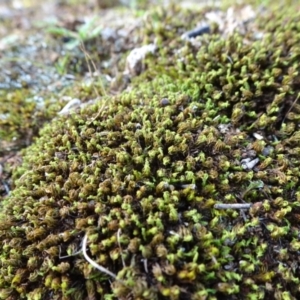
(164, 102)
(248, 164)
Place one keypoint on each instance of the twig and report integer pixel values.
(233, 206)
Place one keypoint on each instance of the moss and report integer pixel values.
(137, 177)
(21, 116)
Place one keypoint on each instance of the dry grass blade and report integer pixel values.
(293, 104)
(233, 206)
(89, 62)
(93, 263)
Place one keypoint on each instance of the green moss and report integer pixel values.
(139, 174)
(21, 116)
